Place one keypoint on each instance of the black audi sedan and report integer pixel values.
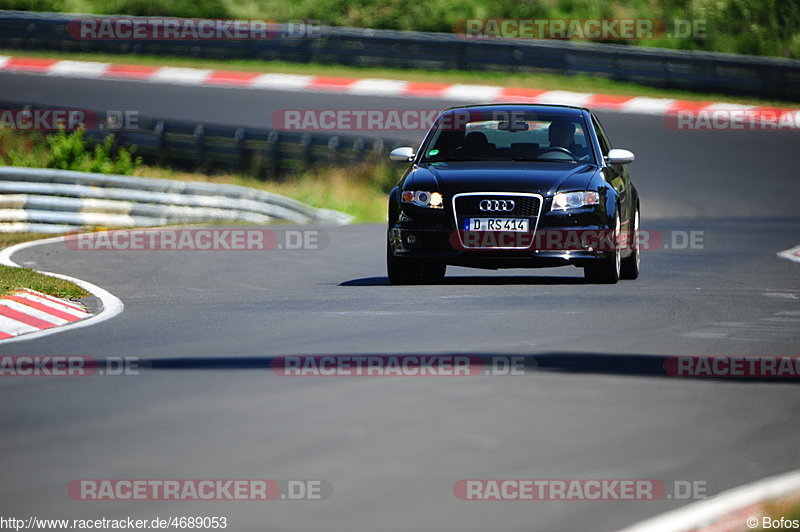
(514, 186)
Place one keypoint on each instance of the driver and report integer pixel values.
(561, 134)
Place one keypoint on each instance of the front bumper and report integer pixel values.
(560, 238)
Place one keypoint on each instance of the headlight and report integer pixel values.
(421, 198)
(572, 200)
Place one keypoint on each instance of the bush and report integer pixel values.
(167, 8)
(33, 5)
(67, 151)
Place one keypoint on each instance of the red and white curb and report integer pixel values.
(28, 311)
(731, 511)
(28, 314)
(359, 86)
(792, 254)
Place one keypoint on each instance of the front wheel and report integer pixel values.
(403, 270)
(607, 270)
(630, 265)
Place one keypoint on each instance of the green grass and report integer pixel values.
(12, 279)
(9, 239)
(788, 508)
(758, 27)
(526, 80)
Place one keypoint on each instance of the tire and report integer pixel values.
(607, 270)
(433, 272)
(413, 271)
(630, 266)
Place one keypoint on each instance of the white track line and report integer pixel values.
(565, 97)
(378, 87)
(792, 254)
(647, 106)
(472, 93)
(14, 327)
(112, 305)
(67, 309)
(78, 69)
(33, 312)
(65, 303)
(704, 513)
(181, 76)
(291, 82)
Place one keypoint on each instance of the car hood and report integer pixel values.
(544, 178)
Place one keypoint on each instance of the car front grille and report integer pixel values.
(524, 206)
(467, 205)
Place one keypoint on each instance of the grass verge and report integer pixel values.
(787, 508)
(579, 83)
(9, 239)
(12, 279)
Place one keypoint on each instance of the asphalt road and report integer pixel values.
(393, 447)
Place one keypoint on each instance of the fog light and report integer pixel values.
(411, 239)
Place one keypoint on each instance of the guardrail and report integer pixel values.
(262, 153)
(56, 201)
(697, 71)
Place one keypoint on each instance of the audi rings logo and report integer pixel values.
(496, 205)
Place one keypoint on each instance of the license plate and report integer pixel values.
(496, 224)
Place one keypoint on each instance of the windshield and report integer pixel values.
(508, 136)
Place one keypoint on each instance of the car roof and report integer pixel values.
(566, 110)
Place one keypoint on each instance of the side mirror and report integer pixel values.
(617, 156)
(404, 154)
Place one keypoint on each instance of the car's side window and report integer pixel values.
(605, 145)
